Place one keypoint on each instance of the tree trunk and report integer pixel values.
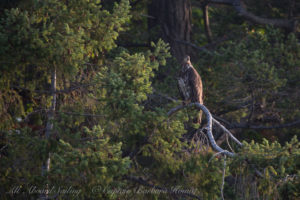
(49, 126)
(173, 20)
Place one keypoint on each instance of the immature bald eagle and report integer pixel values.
(190, 84)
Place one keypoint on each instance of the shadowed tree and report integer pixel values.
(173, 20)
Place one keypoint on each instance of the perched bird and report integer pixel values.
(190, 85)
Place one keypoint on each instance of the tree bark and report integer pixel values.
(173, 20)
(206, 23)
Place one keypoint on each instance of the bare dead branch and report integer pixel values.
(208, 126)
(227, 131)
(209, 131)
(228, 144)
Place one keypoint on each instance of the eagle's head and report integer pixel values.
(186, 60)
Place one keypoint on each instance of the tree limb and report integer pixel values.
(227, 131)
(289, 24)
(208, 126)
(209, 131)
(229, 125)
(249, 126)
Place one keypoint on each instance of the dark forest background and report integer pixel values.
(86, 87)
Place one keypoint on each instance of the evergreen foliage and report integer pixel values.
(111, 120)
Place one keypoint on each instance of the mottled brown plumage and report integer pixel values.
(190, 84)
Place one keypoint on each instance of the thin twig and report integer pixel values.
(228, 144)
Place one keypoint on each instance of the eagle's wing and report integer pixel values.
(182, 89)
(180, 85)
(195, 85)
